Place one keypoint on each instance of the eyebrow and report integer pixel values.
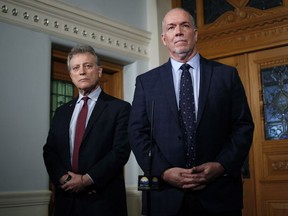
(182, 23)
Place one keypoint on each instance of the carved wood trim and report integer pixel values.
(277, 166)
(243, 30)
(276, 207)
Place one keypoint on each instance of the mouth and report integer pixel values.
(83, 80)
(180, 41)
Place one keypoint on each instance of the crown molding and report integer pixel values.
(66, 22)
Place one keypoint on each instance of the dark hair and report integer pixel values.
(81, 49)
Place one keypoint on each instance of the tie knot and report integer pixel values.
(85, 99)
(185, 67)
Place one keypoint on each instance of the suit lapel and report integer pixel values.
(168, 87)
(97, 111)
(206, 72)
(67, 118)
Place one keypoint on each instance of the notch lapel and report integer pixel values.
(168, 86)
(206, 72)
(67, 118)
(97, 111)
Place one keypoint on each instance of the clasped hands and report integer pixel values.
(72, 182)
(195, 178)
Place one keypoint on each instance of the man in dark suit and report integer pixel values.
(88, 174)
(201, 171)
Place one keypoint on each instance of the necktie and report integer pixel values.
(79, 132)
(187, 114)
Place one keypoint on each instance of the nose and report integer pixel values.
(178, 30)
(82, 70)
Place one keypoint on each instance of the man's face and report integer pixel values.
(84, 72)
(179, 35)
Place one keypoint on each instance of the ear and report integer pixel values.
(196, 34)
(100, 69)
(163, 39)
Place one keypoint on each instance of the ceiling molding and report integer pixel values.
(66, 22)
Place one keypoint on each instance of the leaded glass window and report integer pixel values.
(275, 99)
(265, 4)
(214, 9)
(190, 5)
(61, 92)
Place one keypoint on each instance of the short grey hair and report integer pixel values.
(190, 17)
(81, 49)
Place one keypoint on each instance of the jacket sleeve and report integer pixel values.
(139, 130)
(57, 165)
(237, 146)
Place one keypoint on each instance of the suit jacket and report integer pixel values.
(224, 134)
(103, 153)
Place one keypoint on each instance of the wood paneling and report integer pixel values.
(270, 156)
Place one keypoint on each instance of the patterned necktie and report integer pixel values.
(79, 132)
(187, 114)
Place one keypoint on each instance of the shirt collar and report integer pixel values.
(194, 62)
(93, 95)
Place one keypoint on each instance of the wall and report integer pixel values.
(24, 118)
(130, 12)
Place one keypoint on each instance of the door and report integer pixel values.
(268, 73)
(265, 178)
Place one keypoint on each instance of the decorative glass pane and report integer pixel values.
(214, 9)
(61, 92)
(265, 4)
(275, 99)
(190, 5)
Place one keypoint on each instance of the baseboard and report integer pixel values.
(24, 203)
(27, 203)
